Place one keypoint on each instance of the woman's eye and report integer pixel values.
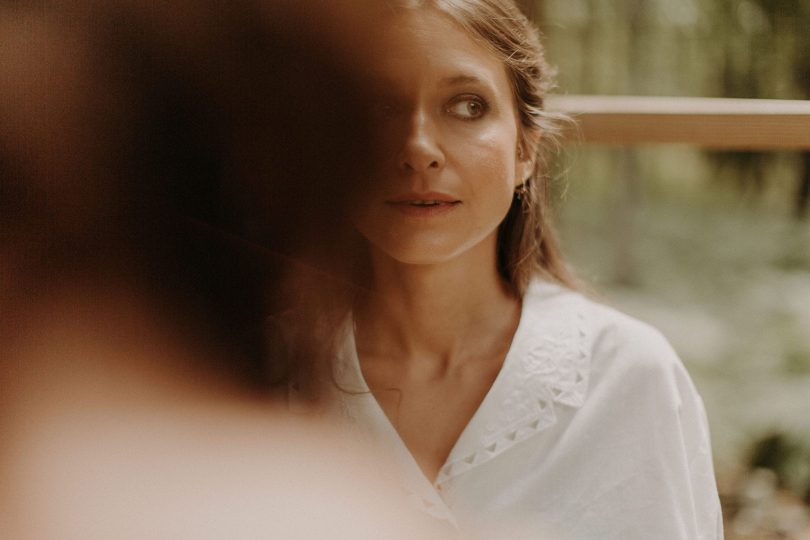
(467, 108)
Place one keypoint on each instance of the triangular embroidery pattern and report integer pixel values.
(553, 370)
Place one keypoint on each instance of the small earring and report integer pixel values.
(521, 191)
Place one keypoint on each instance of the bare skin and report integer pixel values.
(434, 333)
(431, 345)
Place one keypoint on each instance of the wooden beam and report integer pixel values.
(744, 124)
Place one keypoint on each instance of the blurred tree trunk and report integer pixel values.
(803, 193)
(532, 8)
(625, 216)
(802, 74)
(628, 189)
(589, 39)
(539, 10)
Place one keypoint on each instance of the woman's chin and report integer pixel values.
(421, 252)
(429, 248)
(417, 256)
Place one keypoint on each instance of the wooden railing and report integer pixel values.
(744, 124)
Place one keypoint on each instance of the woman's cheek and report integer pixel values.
(493, 149)
(489, 172)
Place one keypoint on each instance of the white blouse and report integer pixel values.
(591, 430)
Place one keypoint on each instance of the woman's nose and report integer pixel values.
(421, 151)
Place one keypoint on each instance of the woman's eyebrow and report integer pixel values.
(460, 79)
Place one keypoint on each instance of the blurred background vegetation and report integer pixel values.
(711, 247)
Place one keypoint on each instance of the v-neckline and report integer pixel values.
(547, 367)
(470, 434)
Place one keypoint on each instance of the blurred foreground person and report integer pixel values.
(162, 166)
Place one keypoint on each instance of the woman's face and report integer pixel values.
(448, 130)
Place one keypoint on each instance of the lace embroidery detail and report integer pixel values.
(552, 370)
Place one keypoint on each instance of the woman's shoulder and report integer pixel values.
(636, 403)
(616, 346)
(603, 323)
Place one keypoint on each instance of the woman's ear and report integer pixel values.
(526, 156)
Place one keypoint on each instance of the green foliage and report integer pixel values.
(711, 48)
(797, 361)
(725, 277)
(724, 48)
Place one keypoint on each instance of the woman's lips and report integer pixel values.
(424, 204)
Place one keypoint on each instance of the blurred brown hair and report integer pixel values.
(195, 148)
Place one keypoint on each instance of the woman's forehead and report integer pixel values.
(425, 41)
(429, 27)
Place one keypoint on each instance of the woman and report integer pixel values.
(517, 407)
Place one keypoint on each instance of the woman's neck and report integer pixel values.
(438, 312)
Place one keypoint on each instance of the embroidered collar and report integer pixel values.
(547, 366)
